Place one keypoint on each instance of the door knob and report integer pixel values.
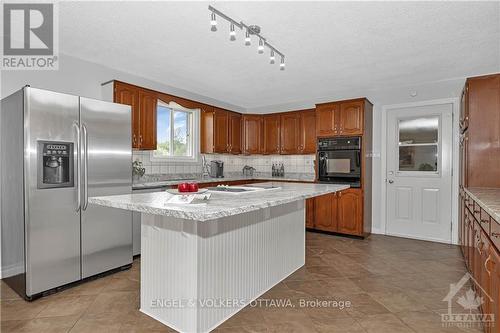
(391, 181)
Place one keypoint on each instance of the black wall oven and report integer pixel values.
(339, 160)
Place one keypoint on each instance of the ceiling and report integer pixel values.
(329, 46)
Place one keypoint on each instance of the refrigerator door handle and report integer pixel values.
(78, 168)
(86, 171)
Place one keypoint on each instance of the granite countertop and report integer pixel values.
(488, 199)
(159, 181)
(220, 204)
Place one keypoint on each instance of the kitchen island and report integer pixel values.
(202, 263)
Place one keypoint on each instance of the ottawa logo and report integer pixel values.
(470, 300)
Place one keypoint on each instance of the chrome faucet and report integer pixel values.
(248, 170)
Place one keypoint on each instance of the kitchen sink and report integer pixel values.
(241, 189)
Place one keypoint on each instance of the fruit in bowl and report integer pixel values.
(183, 187)
(193, 187)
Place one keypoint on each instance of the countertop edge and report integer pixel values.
(142, 208)
(484, 206)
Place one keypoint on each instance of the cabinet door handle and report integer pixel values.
(140, 139)
(485, 221)
(134, 139)
(486, 264)
(495, 234)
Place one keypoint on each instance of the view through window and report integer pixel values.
(174, 128)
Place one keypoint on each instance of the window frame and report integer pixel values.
(193, 133)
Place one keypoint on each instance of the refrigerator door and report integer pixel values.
(52, 219)
(106, 170)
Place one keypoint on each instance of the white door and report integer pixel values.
(419, 162)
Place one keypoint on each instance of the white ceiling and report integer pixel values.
(329, 46)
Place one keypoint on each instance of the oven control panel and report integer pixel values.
(345, 143)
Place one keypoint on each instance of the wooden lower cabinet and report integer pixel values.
(340, 212)
(482, 258)
(310, 213)
(325, 212)
(493, 272)
(350, 212)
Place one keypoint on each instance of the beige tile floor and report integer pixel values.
(393, 284)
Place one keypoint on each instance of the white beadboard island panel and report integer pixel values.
(194, 267)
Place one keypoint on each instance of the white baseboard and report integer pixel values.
(11, 270)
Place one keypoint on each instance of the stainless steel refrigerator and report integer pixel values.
(57, 150)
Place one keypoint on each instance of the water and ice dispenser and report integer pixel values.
(55, 164)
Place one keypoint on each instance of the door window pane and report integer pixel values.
(418, 144)
(418, 158)
(419, 130)
(181, 133)
(163, 130)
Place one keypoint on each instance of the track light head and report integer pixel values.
(261, 46)
(248, 41)
(213, 22)
(272, 58)
(232, 33)
(282, 63)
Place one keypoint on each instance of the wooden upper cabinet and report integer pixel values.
(234, 132)
(147, 106)
(129, 95)
(325, 212)
(350, 212)
(221, 131)
(326, 119)
(351, 118)
(290, 138)
(143, 103)
(307, 131)
(482, 107)
(341, 118)
(207, 130)
(271, 134)
(252, 134)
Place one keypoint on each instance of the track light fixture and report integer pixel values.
(249, 30)
(213, 22)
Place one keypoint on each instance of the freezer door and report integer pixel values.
(106, 170)
(52, 219)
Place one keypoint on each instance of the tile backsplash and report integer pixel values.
(232, 163)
